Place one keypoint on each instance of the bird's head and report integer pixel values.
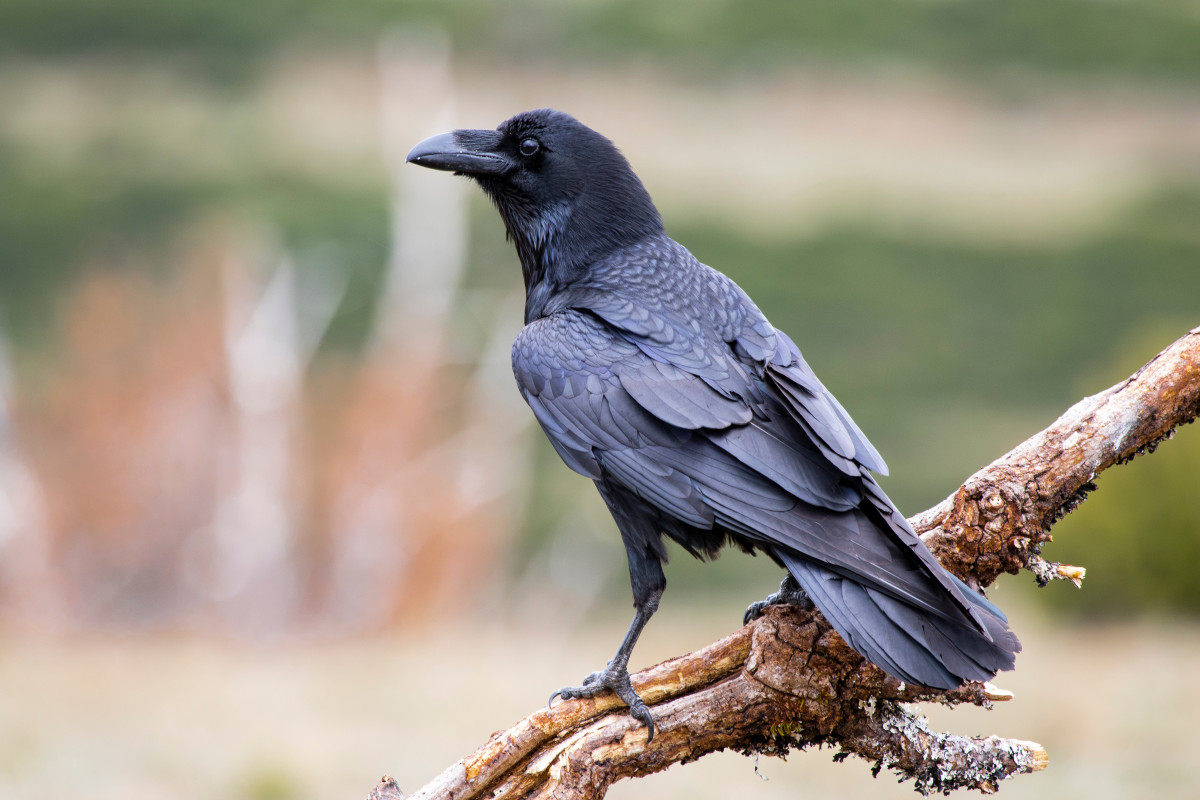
(566, 194)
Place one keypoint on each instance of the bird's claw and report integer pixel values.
(617, 681)
(592, 685)
(642, 714)
(789, 594)
(755, 610)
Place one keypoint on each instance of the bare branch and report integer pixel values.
(788, 680)
(1000, 518)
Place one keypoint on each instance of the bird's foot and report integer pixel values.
(789, 594)
(617, 681)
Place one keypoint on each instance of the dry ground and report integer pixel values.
(188, 717)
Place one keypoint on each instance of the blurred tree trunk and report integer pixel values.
(788, 680)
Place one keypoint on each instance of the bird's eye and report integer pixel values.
(529, 147)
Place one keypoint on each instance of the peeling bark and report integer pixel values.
(788, 680)
(1000, 518)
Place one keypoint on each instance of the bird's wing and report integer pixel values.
(697, 456)
(583, 381)
(605, 403)
(818, 411)
(687, 315)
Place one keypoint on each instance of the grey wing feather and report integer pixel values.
(593, 391)
(819, 412)
(678, 398)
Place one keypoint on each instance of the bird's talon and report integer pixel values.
(754, 611)
(643, 715)
(617, 681)
(789, 594)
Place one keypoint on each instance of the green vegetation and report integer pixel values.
(102, 210)
(226, 37)
(330, 228)
(1068, 36)
(52, 221)
(972, 315)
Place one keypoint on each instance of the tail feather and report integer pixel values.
(965, 651)
(906, 641)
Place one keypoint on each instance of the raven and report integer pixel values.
(657, 377)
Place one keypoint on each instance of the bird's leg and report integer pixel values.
(646, 575)
(789, 594)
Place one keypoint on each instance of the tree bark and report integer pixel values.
(788, 680)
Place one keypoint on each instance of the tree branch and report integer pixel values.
(788, 680)
(999, 519)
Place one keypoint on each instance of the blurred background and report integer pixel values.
(273, 518)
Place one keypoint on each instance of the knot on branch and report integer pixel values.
(992, 528)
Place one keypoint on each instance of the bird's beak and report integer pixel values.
(466, 152)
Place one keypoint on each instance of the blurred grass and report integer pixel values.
(1076, 38)
(53, 221)
(183, 718)
(103, 212)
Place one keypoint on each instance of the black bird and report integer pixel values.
(658, 378)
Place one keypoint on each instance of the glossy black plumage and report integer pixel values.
(658, 378)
